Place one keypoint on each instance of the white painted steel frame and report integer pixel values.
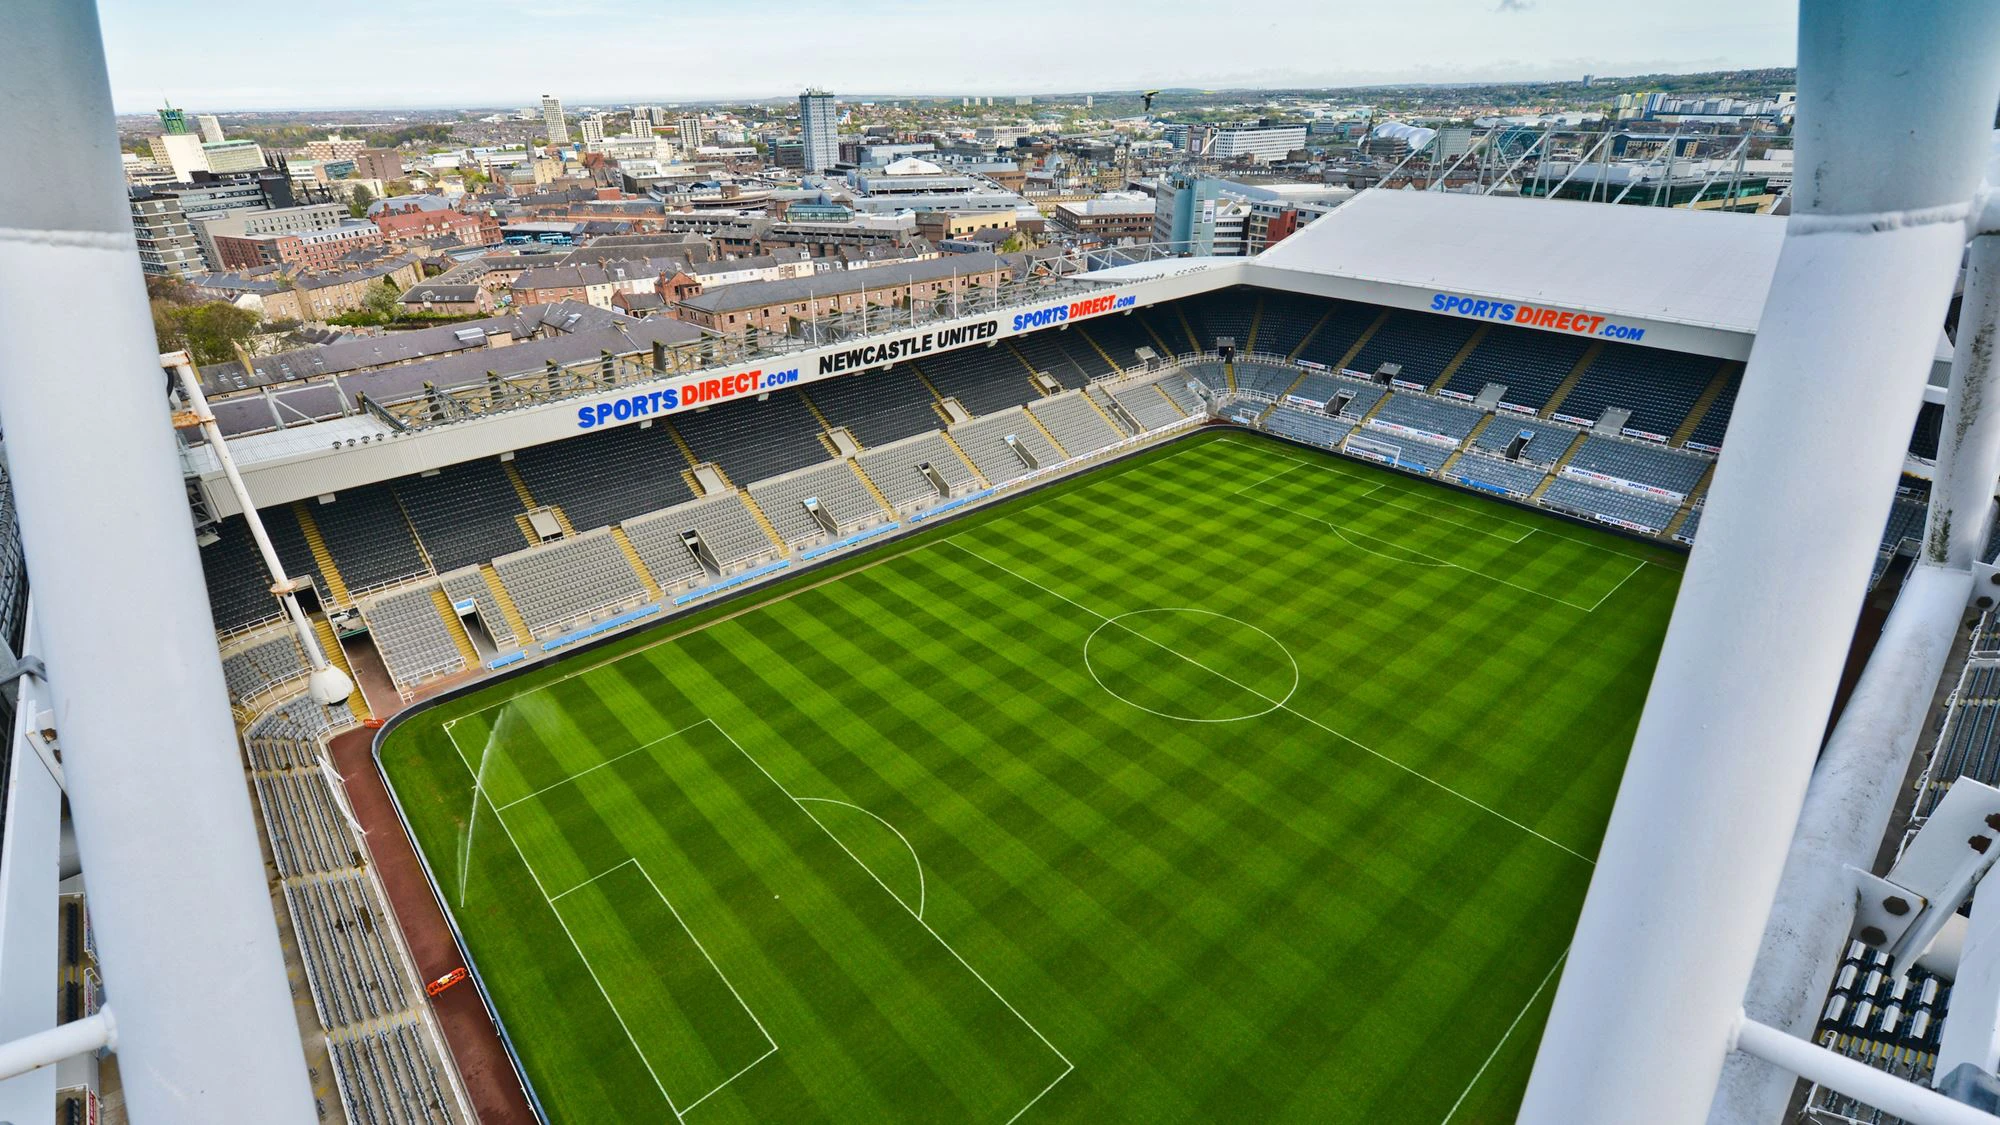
(1895, 106)
(180, 907)
(30, 922)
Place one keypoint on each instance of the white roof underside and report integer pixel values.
(1705, 268)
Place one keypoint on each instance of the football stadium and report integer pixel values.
(1484, 657)
(1071, 703)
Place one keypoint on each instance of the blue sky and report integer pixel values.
(239, 54)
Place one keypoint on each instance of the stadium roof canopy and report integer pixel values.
(1704, 269)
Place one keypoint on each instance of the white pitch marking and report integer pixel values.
(1067, 1064)
(899, 836)
(581, 955)
(589, 881)
(1478, 1074)
(1341, 472)
(1641, 565)
(1357, 743)
(1185, 718)
(595, 768)
(1338, 530)
(672, 636)
(550, 900)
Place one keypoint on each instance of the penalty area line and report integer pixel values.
(799, 803)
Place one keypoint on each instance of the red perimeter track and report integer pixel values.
(497, 1097)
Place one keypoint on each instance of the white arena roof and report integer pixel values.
(1705, 269)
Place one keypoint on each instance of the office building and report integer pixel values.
(335, 147)
(552, 120)
(224, 157)
(167, 243)
(255, 220)
(181, 152)
(173, 122)
(168, 219)
(818, 127)
(1106, 220)
(690, 132)
(1185, 214)
(385, 164)
(642, 124)
(1262, 144)
(593, 131)
(211, 128)
(314, 250)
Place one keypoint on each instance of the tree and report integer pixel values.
(397, 187)
(382, 301)
(172, 290)
(358, 201)
(209, 331)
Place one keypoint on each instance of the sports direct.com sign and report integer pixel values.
(1533, 316)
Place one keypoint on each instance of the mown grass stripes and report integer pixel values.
(1334, 911)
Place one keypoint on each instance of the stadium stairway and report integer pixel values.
(1170, 399)
(528, 501)
(825, 426)
(1373, 411)
(1693, 497)
(1099, 349)
(687, 451)
(1568, 384)
(528, 529)
(976, 474)
(1193, 340)
(1229, 375)
(1025, 366)
(1555, 470)
(455, 627)
(335, 655)
(336, 586)
(1256, 320)
(1451, 368)
(1444, 470)
(764, 521)
(1701, 404)
(1030, 416)
(512, 612)
(881, 501)
(631, 554)
(1361, 341)
(1093, 396)
(1165, 351)
(937, 400)
(1307, 339)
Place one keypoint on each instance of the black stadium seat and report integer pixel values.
(1529, 363)
(1420, 343)
(605, 476)
(877, 407)
(368, 537)
(464, 514)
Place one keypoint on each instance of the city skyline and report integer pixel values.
(1463, 41)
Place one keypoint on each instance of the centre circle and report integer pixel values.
(1247, 671)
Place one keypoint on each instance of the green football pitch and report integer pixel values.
(1230, 782)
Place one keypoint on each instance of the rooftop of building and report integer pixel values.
(757, 294)
(1703, 268)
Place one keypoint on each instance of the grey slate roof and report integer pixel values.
(757, 294)
(322, 398)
